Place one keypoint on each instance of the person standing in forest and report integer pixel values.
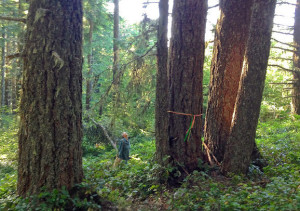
(123, 150)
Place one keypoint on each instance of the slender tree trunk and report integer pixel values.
(116, 66)
(20, 49)
(7, 82)
(241, 141)
(186, 73)
(162, 89)
(3, 68)
(50, 133)
(90, 70)
(230, 43)
(116, 38)
(296, 75)
(13, 94)
(7, 88)
(14, 81)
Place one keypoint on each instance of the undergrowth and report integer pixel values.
(142, 184)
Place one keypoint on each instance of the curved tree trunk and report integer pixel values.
(230, 43)
(162, 93)
(50, 134)
(296, 75)
(186, 72)
(241, 141)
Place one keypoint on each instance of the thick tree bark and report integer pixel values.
(186, 73)
(90, 70)
(50, 133)
(241, 141)
(296, 92)
(162, 88)
(229, 49)
(296, 59)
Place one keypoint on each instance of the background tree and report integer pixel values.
(229, 48)
(241, 142)
(3, 68)
(162, 88)
(296, 61)
(116, 62)
(12, 14)
(186, 60)
(97, 48)
(90, 70)
(50, 127)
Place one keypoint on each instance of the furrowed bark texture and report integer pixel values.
(51, 127)
(186, 71)
(229, 49)
(162, 88)
(241, 142)
(296, 75)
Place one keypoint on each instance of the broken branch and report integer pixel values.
(23, 20)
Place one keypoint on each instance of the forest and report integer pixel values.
(203, 95)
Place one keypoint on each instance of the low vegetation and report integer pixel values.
(142, 184)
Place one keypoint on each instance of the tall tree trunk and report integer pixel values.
(3, 68)
(186, 73)
(116, 66)
(50, 133)
(90, 70)
(21, 36)
(162, 89)
(14, 81)
(296, 75)
(116, 39)
(7, 82)
(230, 43)
(241, 141)
(7, 89)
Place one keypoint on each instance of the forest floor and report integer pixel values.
(142, 184)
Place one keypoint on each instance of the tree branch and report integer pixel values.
(213, 6)
(286, 33)
(282, 83)
(16, 55)
(281, 58)
(290, 96)
(285, 2)
(283, 68)
(285, 49)
(284, 43)
(23, 20)
(284, 16)
(277, 24)
(149, 2)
